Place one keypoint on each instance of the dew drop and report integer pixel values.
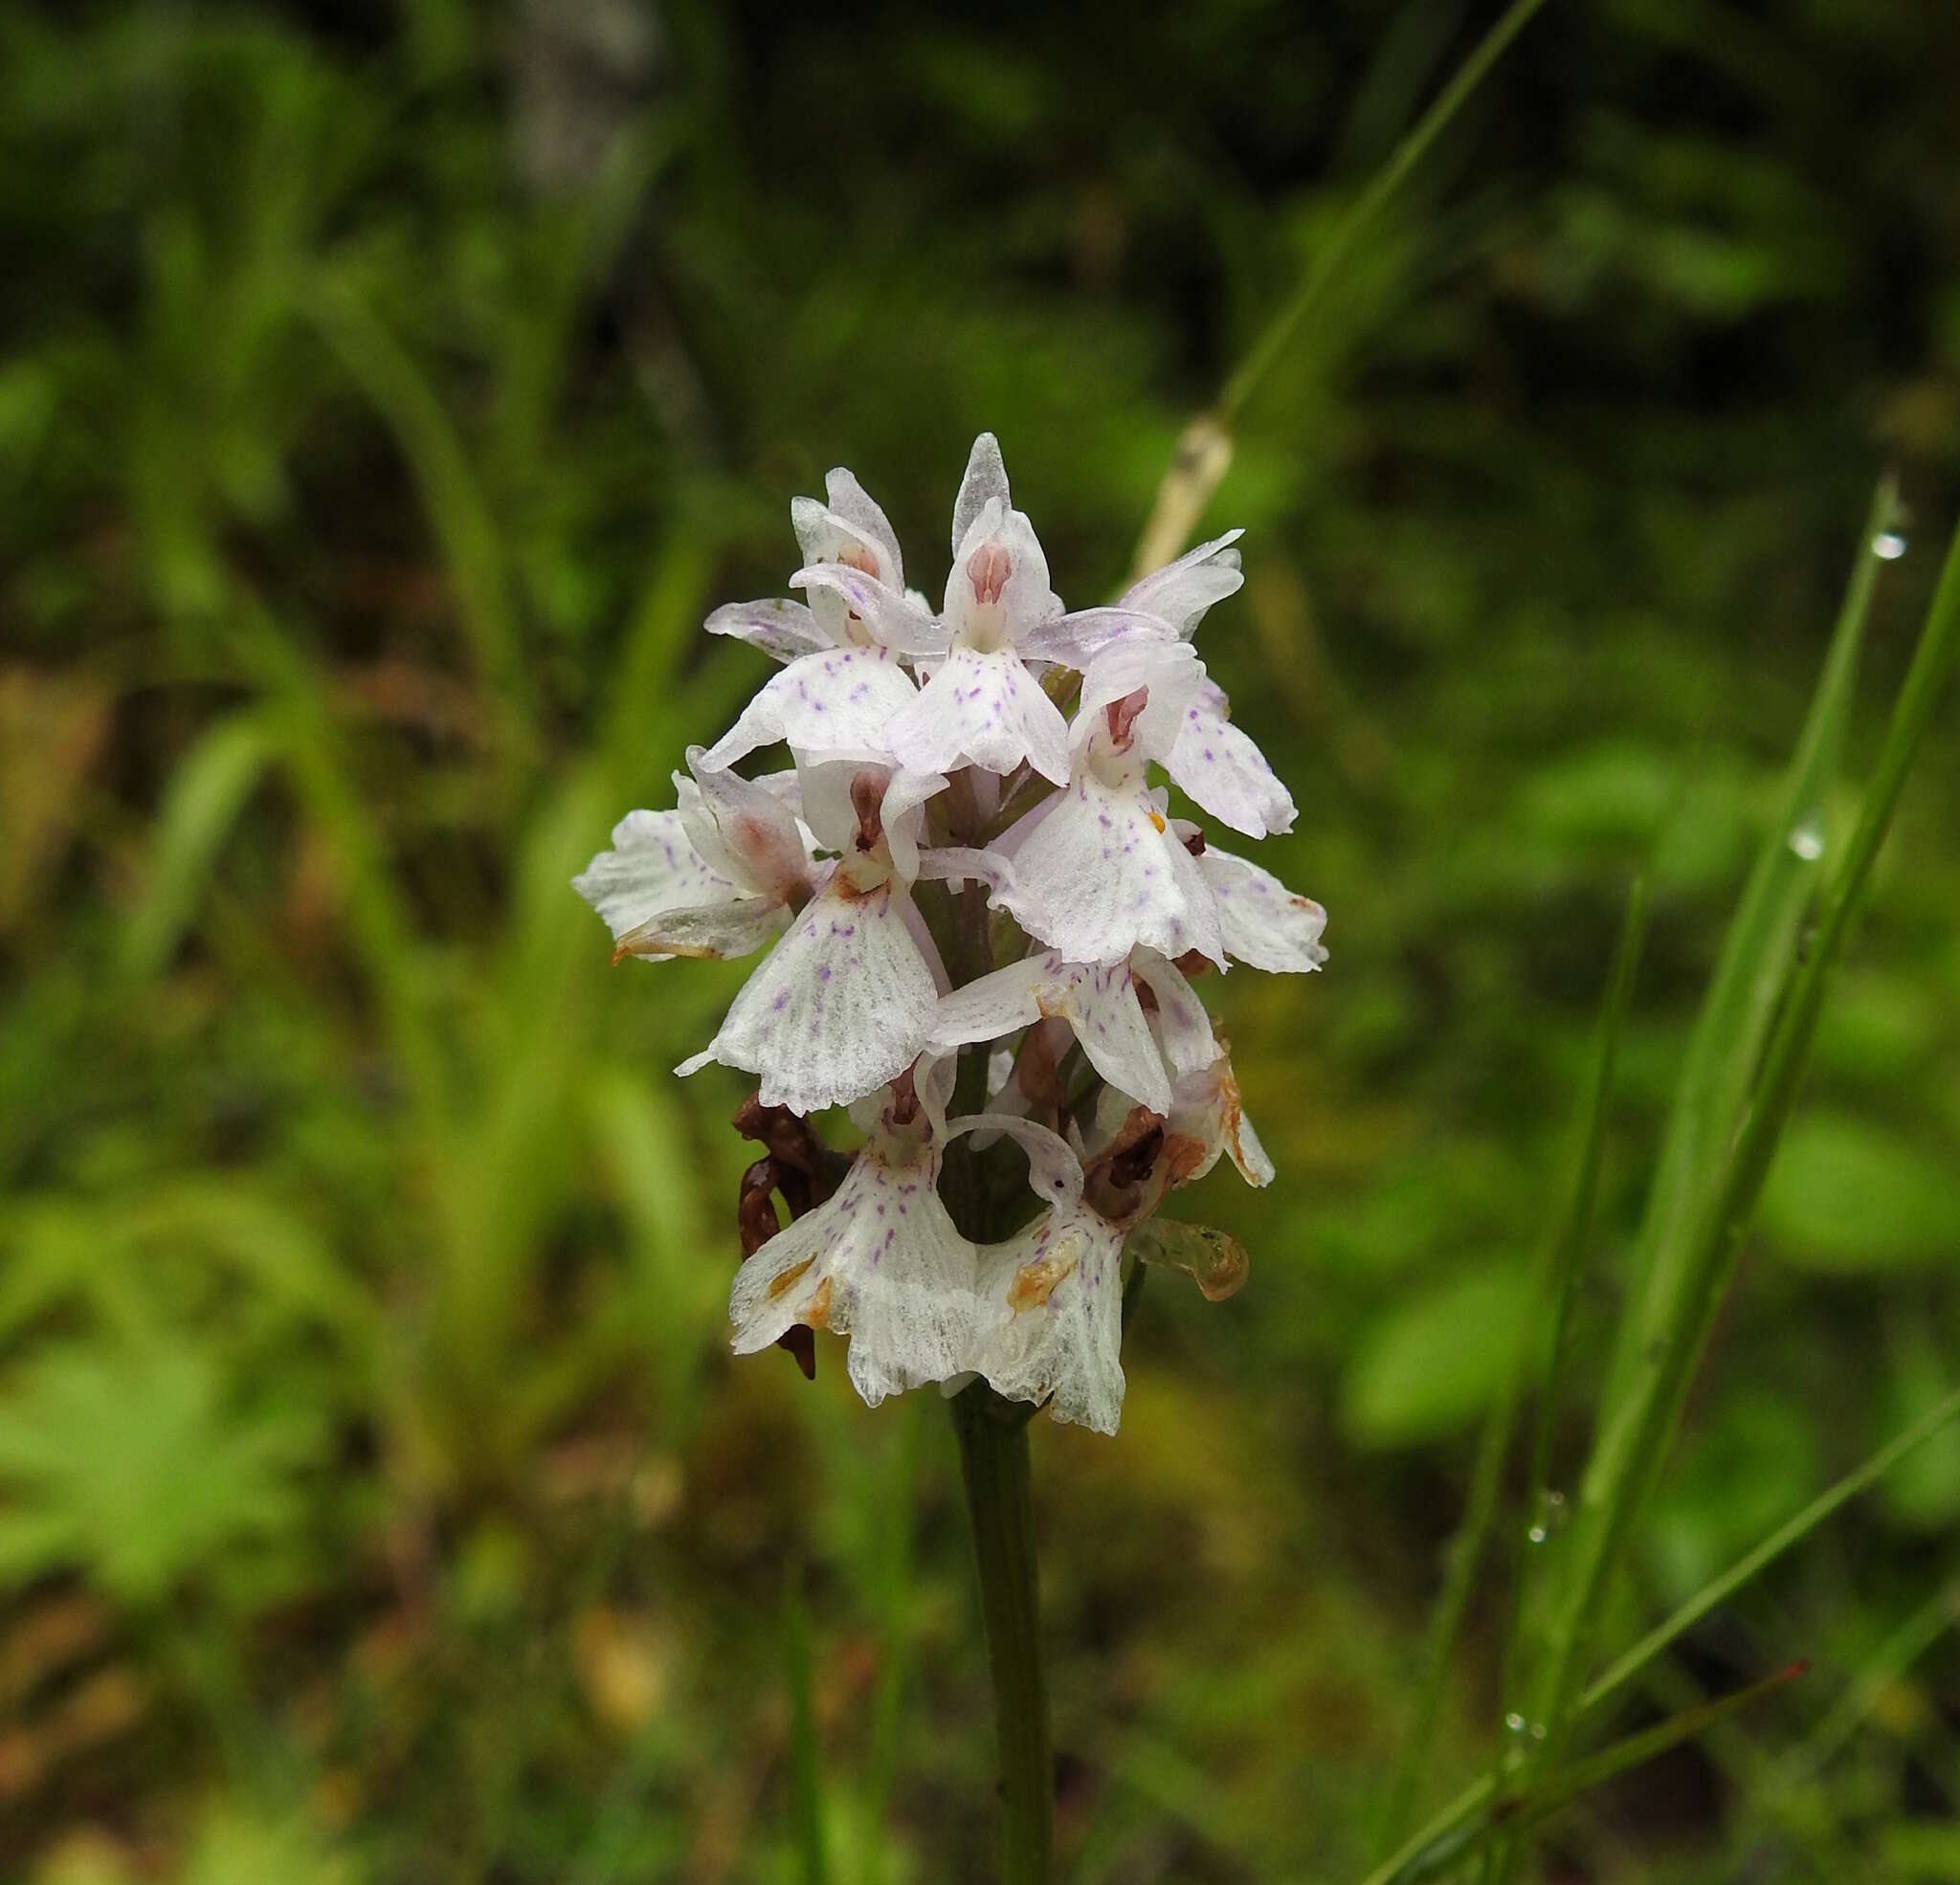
(1548, 1517)
(1514, 1723)
(1890, 545)
(1807, 839)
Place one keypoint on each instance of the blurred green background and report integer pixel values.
(388, 389)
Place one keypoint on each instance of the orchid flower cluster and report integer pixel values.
(983, 924)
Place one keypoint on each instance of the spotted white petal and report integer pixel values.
(1075, 639)
(984, 482)
(1221, 768)
(1264, 924)
(850, 524)
(1099, 1002)
(781, 629)
(746, 829)
(893, 618)
(902, 814)
(879, 1261)
(851, 501)
(1097, 871)
(660, 898)
(837, 704)
(1207, 1113)
(1180, 592)
(959, 864)
(982, 709)
(1181, 1025)
(1053, 1318)
(843, 1004)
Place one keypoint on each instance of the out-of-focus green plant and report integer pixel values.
(380, 397)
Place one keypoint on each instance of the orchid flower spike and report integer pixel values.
(970, 878)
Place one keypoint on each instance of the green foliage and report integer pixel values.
(125, 1462)
(385, 395)
(1849, 1197)
(1427, 1365)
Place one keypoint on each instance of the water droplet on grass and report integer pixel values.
(1807, 840)
(1548, 1517)
(1889, 545)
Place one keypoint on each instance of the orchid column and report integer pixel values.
(985, 922)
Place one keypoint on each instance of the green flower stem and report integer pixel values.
(993, 1460)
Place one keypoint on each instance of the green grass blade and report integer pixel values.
(1273, 343)
(1701, 1240)
(1440, 1850)
(458, 506)
(1447, 1822)
(1635, 1750)
(579, 244)
(1558, 1268)
(1203, 452)
(1892, 1658)
(1720, 1240)
(1799, 1526)
(1567, 1259)
(806, 1768)
(207, 790)
(1577, 1228)
(1725, 1052)
(313, 754)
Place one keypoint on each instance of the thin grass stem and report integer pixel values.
(1394, 1869)
(1557, 1266)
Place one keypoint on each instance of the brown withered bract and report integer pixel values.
(791, 1141)
(798, 1168)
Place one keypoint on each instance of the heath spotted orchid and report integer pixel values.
(983, 922)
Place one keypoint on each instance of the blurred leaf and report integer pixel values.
(128, 1463)
(1923, 1489)
(236, 1848)
(1924, 1851)
(1427, 1366)
(1846, 1196)
(1880, 1029)
(1754, 1461)
(1609, 789)
(207, 790)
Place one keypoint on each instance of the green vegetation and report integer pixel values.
(388, 390)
